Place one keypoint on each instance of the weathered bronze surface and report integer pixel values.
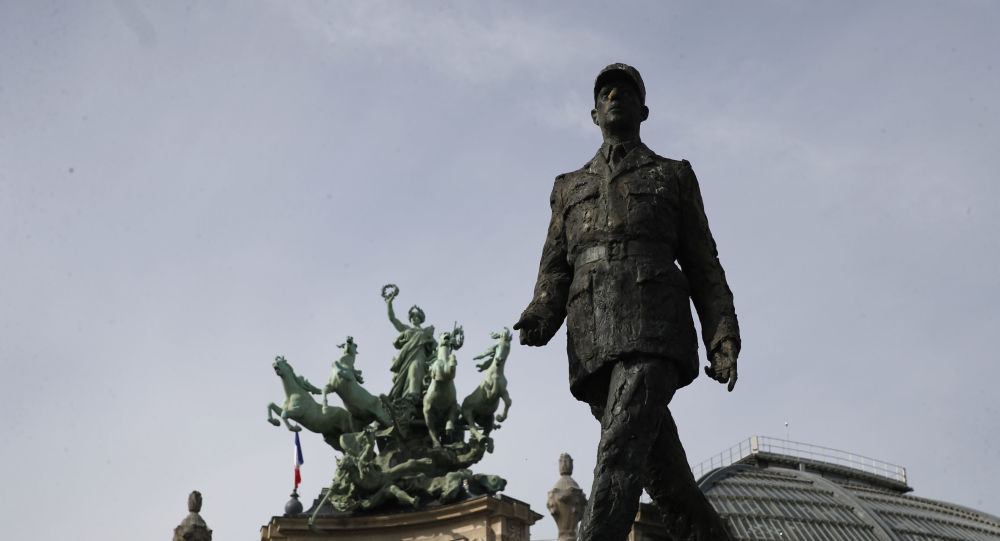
(478, 408)
(406, 448)
(620, 226)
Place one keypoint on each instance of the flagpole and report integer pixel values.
(294, 506)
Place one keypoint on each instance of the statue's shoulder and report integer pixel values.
(569, 177)
(668, 162)
(679, 167)
(563, 177)
(564, 180)
(681, 164)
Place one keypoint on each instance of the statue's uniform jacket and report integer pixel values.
(609, 266)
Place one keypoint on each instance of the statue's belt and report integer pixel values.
(616, 250)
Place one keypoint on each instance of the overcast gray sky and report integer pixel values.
(188, 189)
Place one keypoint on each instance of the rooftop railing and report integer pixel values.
(764, 444)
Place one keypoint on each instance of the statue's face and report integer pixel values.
(280, 366)
(618, 104)
(416, 316)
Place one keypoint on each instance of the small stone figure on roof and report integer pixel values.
(193, 527)
(566, 500)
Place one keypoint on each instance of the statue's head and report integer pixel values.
(349, 346)
(565, 464)
(504, 335)
(281, 366)
(445, 339)
(619, 99)
(416, 315)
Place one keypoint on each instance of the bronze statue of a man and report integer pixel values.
(619, 227)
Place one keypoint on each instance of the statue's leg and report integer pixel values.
(383, 495)
(630, 420)
(273, 408)
(312, 519)
(415, 379)
(669, 481)
(402, 496)
(488, 423)
(380, 412)
(469, 415)
(451, 423)
(431, 423)
(284, 417)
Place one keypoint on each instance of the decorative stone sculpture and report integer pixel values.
(193, 527)
(566, 500)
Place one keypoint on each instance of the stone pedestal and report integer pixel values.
(488, 518)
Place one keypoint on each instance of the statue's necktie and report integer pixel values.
(616, 155)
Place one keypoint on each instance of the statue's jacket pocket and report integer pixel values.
(652, 206)
(663, 313)
(580, 316)
(580, 209)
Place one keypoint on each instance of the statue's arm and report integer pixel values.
(699, 260)
(547, 309)
(392, 316)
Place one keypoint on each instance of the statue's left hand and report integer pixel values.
(532, 329)
(723, 364)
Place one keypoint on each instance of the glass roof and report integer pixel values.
(764, 501)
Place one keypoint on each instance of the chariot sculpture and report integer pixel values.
(407, 447)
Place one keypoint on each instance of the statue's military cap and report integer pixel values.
(618, 69)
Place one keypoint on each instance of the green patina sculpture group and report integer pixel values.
(407, 447)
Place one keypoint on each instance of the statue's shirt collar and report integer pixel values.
(626, 147)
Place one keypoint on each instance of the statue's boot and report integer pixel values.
(667, 479)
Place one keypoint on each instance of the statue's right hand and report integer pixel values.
(530, 326)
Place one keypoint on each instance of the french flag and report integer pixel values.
(298, 461)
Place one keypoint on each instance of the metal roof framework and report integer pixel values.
(769, 496)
